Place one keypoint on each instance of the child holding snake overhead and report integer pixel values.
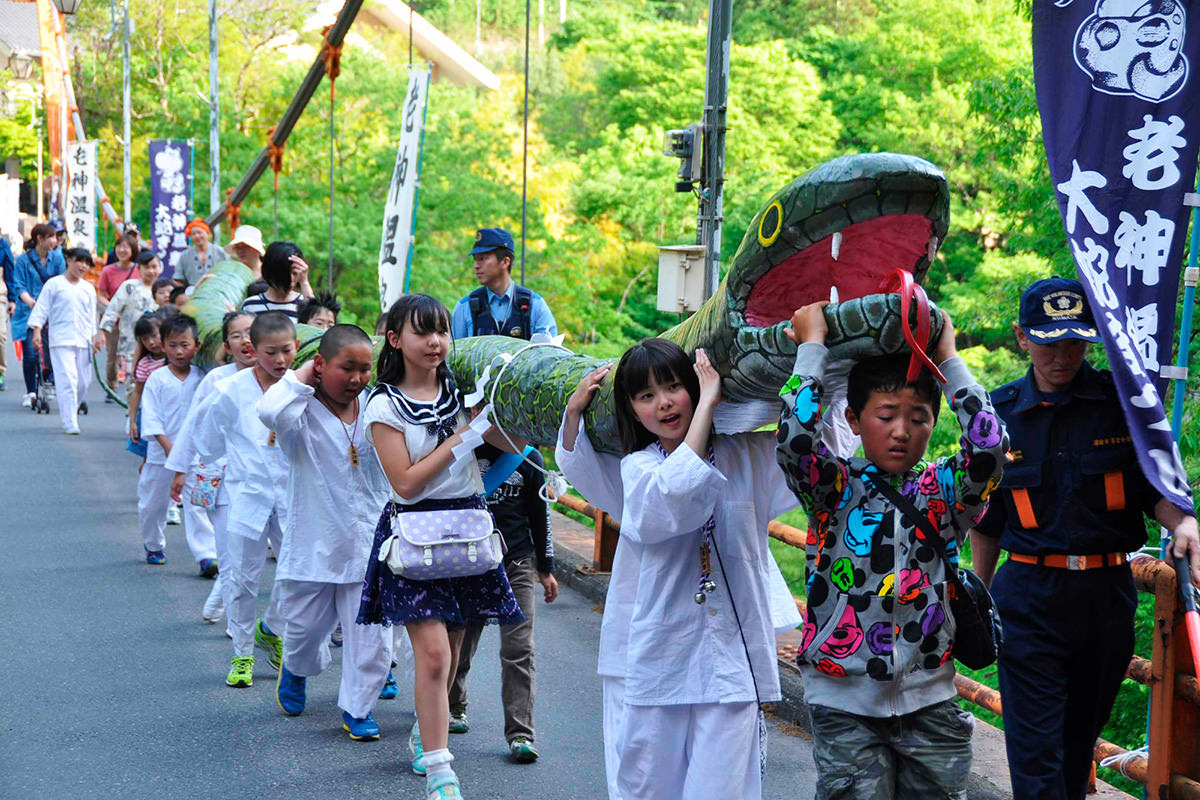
(877, 651)
(688, 635)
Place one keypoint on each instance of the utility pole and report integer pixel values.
(716, 93)
(125, 211)
(214, 118)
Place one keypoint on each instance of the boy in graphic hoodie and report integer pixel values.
(877, 651)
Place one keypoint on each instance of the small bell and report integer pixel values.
(700, 598)
(710, 586)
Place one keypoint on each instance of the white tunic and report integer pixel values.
(681, 651)
(256, 472)
(597, 477)
(165, 403)
(461, 479)
(70, 310)
(332, 506)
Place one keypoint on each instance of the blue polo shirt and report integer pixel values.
(501, 306)
(29, 274)
(1074, 486)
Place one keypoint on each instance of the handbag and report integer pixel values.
(449, 543)
(979, 632)
(206, 486)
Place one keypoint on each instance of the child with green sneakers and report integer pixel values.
(335, 491)
(256, 476)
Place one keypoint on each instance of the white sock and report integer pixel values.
(437, 764)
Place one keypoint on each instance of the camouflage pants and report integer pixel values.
(925, 754)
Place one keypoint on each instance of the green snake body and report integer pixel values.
(742, 332)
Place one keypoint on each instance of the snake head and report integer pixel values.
(847, 223)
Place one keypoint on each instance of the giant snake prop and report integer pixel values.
(849, 223)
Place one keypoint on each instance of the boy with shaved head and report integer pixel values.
(335, 491)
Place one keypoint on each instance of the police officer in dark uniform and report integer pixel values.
(1069, 508)
(499, 306)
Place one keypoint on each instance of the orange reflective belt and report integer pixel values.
(1024, 508)
(1114, 490)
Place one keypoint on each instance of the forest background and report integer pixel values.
(950, 81)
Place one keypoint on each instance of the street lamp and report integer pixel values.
(67, 6)
(21, 64)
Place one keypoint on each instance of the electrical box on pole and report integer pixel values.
(681, 278)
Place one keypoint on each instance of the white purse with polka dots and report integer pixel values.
(428, 545)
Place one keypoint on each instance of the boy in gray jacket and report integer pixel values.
(877, 651)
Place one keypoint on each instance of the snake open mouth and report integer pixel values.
(865, 253)
(848, 224)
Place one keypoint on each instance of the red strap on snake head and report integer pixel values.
(901, 282)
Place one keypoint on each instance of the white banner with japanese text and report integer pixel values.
(395, 248)
(80, 217)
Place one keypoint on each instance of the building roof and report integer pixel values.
(19, 28)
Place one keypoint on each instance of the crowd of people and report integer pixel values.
(380, 491)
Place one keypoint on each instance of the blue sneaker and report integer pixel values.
(443, 788)
(209, 568)
(390, 689)
(289, 692)
(156, 557)
(418, 751)
(360, 730)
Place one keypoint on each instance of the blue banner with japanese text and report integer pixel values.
(1120, 110)
(170, 199)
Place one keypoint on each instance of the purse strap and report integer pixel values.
(910, 511)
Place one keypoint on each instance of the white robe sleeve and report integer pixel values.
(41, 309)
(668, 498)
(282, 406)
(208, 434)
(596, 476)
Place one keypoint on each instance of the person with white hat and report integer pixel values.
(246, 247)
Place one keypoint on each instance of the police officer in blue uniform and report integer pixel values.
(499, 306)
(1069, 508)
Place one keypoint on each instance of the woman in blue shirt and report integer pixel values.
(40, 262)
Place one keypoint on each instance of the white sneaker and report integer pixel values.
(174, 516)
(27, 400)
(214, 608)
(71, 431)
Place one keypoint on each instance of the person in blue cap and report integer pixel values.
(499, 306)
(1069, 508)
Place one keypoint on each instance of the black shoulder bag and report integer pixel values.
(979, 633)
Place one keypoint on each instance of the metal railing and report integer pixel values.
(1172, 771)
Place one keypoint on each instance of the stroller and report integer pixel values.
(45, 380)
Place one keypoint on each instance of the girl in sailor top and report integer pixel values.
(687, 646)
(415, 419)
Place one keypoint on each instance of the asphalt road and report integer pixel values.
(111, 686)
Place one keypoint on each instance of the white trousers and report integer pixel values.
(246, 560)
(690, 752)
(154, 495)
(614, 718)
(198, 526)
(72, 375)
(218, 516)
(312, 610)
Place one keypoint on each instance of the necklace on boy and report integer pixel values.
(351, 431)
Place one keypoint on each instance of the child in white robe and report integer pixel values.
(68, 304)
(165, 400)
(256, 475)
(186, 465)
(676, 670)
(335, 493)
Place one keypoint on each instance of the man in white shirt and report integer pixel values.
(68, 304)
